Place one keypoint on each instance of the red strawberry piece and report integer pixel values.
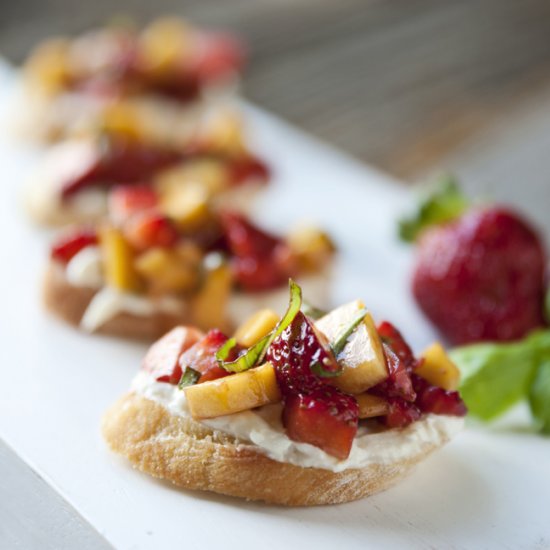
(162, 359)
(394, 339)
(261, 261)
(324, 417)
(202, 356)
(398, 383)
(247, 169)
(70, 244)
(121, 161)
(402, 413)
(481, 277)
(313, 411)
(150, 229)
(218, 56)
(126, 200)
(432, 399)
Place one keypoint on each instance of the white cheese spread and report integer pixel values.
(262, 428)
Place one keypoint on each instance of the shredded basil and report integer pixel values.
(340, 343)
(255, 354)
(189, 378)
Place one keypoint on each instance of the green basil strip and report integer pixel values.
(318, 369)
(189, 378)
(255, 354)
(223, 352)
(340, 343)
(312, 312)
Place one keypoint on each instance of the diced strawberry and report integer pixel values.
(482, 277)
(249, 168)
(202, 356)
(398, 383)
(121, 161)
(298, 353)
(150, 229)
(261, 261)
(432, 399)
(324, 417)
(394, 339)
(219, 55)
(68, 245)
(402, 413)
(162, 359)
(314, 412)
(126, 200)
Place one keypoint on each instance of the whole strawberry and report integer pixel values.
(481, 277)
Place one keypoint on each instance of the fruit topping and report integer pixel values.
(313, 411)
(256, 327)
(362, 358)
(371, 405)
(324, 417)
(248, 169)
(401, 413)
(261, 261)
(118, 258)
(431, 399)
(202, 356)
(162, 359)
(127, 200)
(121, 161)
(150, 229)
(481, 277)
(235, 393)
(437, 368)
(70, 244)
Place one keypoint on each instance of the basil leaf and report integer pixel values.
(189, 378)
(340, 343)
(539, 397)
(494, 376)
(318, 369)
(255, 354)
(444, 203)
(547, 305)
(223, 352)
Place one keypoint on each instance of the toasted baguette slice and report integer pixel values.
(191, 455)
(70, 302)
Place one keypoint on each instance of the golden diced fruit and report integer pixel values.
(256, 327)
(238, 392)
(122, 119)
(224, 134)
(47, 66)
(362, 359)
(209, 305)
(371, 405)
(166, 271)
(118, 257)
(187, 206)
(209, 173)
(438, 369)
(312, 247)
(165, 43)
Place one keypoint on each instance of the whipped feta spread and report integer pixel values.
(85, 268)
(263, 429)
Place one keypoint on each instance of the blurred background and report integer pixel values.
(410, 86)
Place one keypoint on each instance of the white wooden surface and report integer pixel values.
(488, 489)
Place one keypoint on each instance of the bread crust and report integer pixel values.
(191, 455)
(70, 303)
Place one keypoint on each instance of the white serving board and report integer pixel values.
(487, 489)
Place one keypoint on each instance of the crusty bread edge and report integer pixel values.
(69, 303)
(191, 455)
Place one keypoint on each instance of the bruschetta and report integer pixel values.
(293, 410)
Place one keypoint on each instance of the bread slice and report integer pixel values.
(70, 302)
(191, 455)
